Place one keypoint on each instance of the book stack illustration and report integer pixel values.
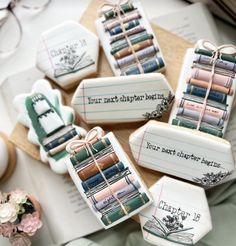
(191, 145)
(128, 39)
(68, 53)
(50, 123)
(175, 218)
(106, 178)
(123, 99)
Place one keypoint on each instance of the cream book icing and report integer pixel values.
(68, 53)
(179, 214)
(119, 52)
(123, 99)
(50, 123)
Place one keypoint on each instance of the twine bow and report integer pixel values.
(217, 52)
(92, 136)
(117, 9)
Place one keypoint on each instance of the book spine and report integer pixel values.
(98, 178)
(214, 87)
(133, 41)
(127, 26)
(121, 193)
(126, 7)
(103, 162)
(112, 24)
(213, 111)
(149, 51)
(120, 184)
(203, 59)
(130, 206)
(72, 133)
(148, 67)
(218, 79)
(83, 154)
(209, 53)
(127, 51)
(192, 125)
(193, 114)
(201, 92)
(132, 31)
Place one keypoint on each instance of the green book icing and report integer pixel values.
(130, 206)
(209, 53)
(133, 41)
(126, 7)
(84, 154)
(191, 125)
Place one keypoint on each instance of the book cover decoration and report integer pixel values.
(191, 145)
(50, 123)
(128, 40)
(123, 99)
(179, 214)
(68, 53)
(106, 178)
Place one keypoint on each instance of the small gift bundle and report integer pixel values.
(106, 178)
(123, 99)
(68, 53)
(128, 39)
(192, 147)
(179, 215)
(19, 217)
(50, 123)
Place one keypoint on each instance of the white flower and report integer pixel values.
(18, 196)
(8, 212)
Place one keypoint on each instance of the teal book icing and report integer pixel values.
(50, 123)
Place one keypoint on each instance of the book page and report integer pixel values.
(188, 23)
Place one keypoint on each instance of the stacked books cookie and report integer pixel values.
(128, 40)
(123, 99)
(106, 178)
(191, 145)
(68, 53)
(50, 123)
(179, 214)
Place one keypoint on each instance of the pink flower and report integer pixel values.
(20, 239)
(18, 196)
(30, 223)
(7, 229)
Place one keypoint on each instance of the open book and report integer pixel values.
(65, 214)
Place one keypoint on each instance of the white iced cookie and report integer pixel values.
(123, 99)
(68, 53)
(179, 214)
(182, 152)
(7, 158)
(50, 123)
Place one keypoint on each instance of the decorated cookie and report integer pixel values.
(106, 178)
(179, 214)
(50, 123)
(123, 99)
(68, 53)
(191, 145)
(7, 158)
(128, 40)
(184, 153)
